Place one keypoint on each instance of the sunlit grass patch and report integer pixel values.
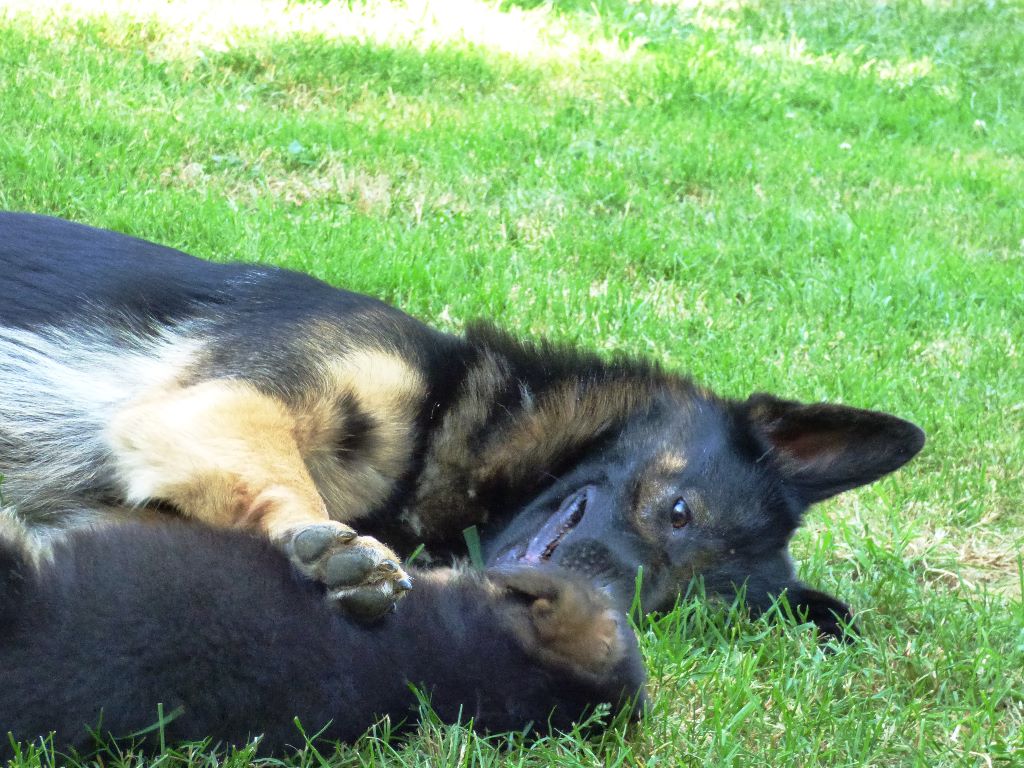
(816, 199)
(193, 28)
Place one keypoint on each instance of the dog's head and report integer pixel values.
(691, 486)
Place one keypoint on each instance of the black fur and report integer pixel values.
(219, 629)
(507, 435)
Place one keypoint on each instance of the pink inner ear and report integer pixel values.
(826, 449)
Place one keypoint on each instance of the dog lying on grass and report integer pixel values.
(242, 395)
(218, 628)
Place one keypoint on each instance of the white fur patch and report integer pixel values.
(60, 389)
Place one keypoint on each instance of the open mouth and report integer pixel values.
(542, 546)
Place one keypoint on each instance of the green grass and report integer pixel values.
(819, 199)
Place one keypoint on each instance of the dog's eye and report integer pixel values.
(681, 514)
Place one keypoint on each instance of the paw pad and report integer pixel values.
(362, 575)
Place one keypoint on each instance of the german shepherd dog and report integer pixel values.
(214, 625)
(133, 375)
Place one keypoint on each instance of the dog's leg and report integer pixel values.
(224, 453)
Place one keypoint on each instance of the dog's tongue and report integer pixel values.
(543, 545)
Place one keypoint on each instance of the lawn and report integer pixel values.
(823, 200)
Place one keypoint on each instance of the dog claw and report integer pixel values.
(404, 585)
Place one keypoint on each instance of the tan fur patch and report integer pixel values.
(589, 641)
(651, 486)
(385, 389)
(566, 623)
(225, 453)
(445, 477)
(563, 420)
(442, 576)
(669, 463)
(220, 451)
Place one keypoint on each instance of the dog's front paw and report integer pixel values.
(562, 619)
(362, 575)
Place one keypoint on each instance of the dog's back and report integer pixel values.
(206, 623)
(92, 321)
(59, 273)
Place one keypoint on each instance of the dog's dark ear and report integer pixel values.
(824, 449)
(832, 617)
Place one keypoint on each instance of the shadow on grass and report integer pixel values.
(760, 57)
(346, 66)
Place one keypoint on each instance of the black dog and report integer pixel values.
(218, 628)
(251, 396)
